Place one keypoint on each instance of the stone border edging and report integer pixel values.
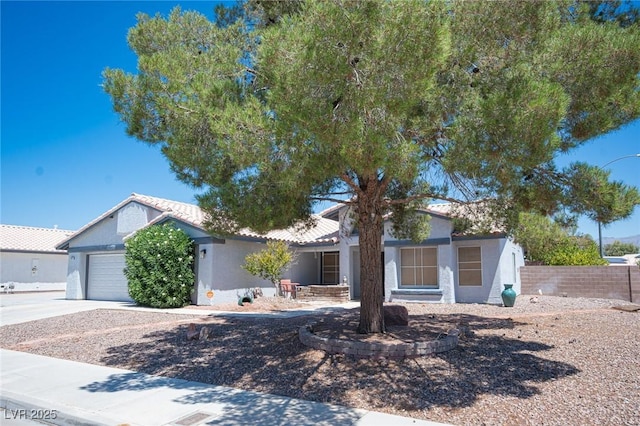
(378, 349)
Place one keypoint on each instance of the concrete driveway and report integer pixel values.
(16, 308)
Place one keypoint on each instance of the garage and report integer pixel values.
(106, 279)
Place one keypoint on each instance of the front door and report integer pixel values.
(355, 273)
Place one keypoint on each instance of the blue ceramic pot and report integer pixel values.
(508, 295)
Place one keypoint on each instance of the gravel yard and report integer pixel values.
(548, 360)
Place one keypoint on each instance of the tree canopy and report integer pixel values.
(383, 105)
(550, 243)
(619, 248)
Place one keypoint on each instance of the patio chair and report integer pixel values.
(288, 289)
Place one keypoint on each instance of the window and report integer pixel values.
(331, 267)
(419, 267)
(469, 266)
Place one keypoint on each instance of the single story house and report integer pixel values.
(29, 259)
(445, 268)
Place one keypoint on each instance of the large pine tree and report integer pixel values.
(382, 104)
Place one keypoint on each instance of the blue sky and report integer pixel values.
(65, 156)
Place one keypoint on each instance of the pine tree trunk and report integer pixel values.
(370, 225)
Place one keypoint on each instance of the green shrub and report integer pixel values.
(270, 263)
(618, 248)
(539, 236)
(159, 267)
(549, 242)
(574, 251)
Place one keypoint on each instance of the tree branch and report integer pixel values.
(333, 200)
(407, 200)
(350, 182)
(184, 108)
(252, 71)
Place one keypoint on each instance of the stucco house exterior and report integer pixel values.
(445, 268)
(96, 251)
(29, 259)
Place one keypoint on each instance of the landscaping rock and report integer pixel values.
(396, 315)
(205, 333)
(628, 308)
(192, 334)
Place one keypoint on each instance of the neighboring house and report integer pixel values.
(445, 268)
(29, 259)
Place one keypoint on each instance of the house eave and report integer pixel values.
(427, 242)
(494, 236)
(60, 252)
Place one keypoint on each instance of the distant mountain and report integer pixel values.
(635, 239)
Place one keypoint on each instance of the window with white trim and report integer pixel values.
(469, 266)
(419, 267)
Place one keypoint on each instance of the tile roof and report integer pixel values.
(186, 212)
(183, 211)
(475, 212)
(325, 230)
(442, 209)
(332, 212)
(30, 239)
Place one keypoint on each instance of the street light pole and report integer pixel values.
(600, 240)
(600, 223)
(619, 158)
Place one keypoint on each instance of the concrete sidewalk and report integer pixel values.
(85, 394)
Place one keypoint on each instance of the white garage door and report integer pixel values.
(106, 278)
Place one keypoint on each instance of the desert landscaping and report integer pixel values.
(548, 360)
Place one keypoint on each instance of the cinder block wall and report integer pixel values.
(606, 282)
